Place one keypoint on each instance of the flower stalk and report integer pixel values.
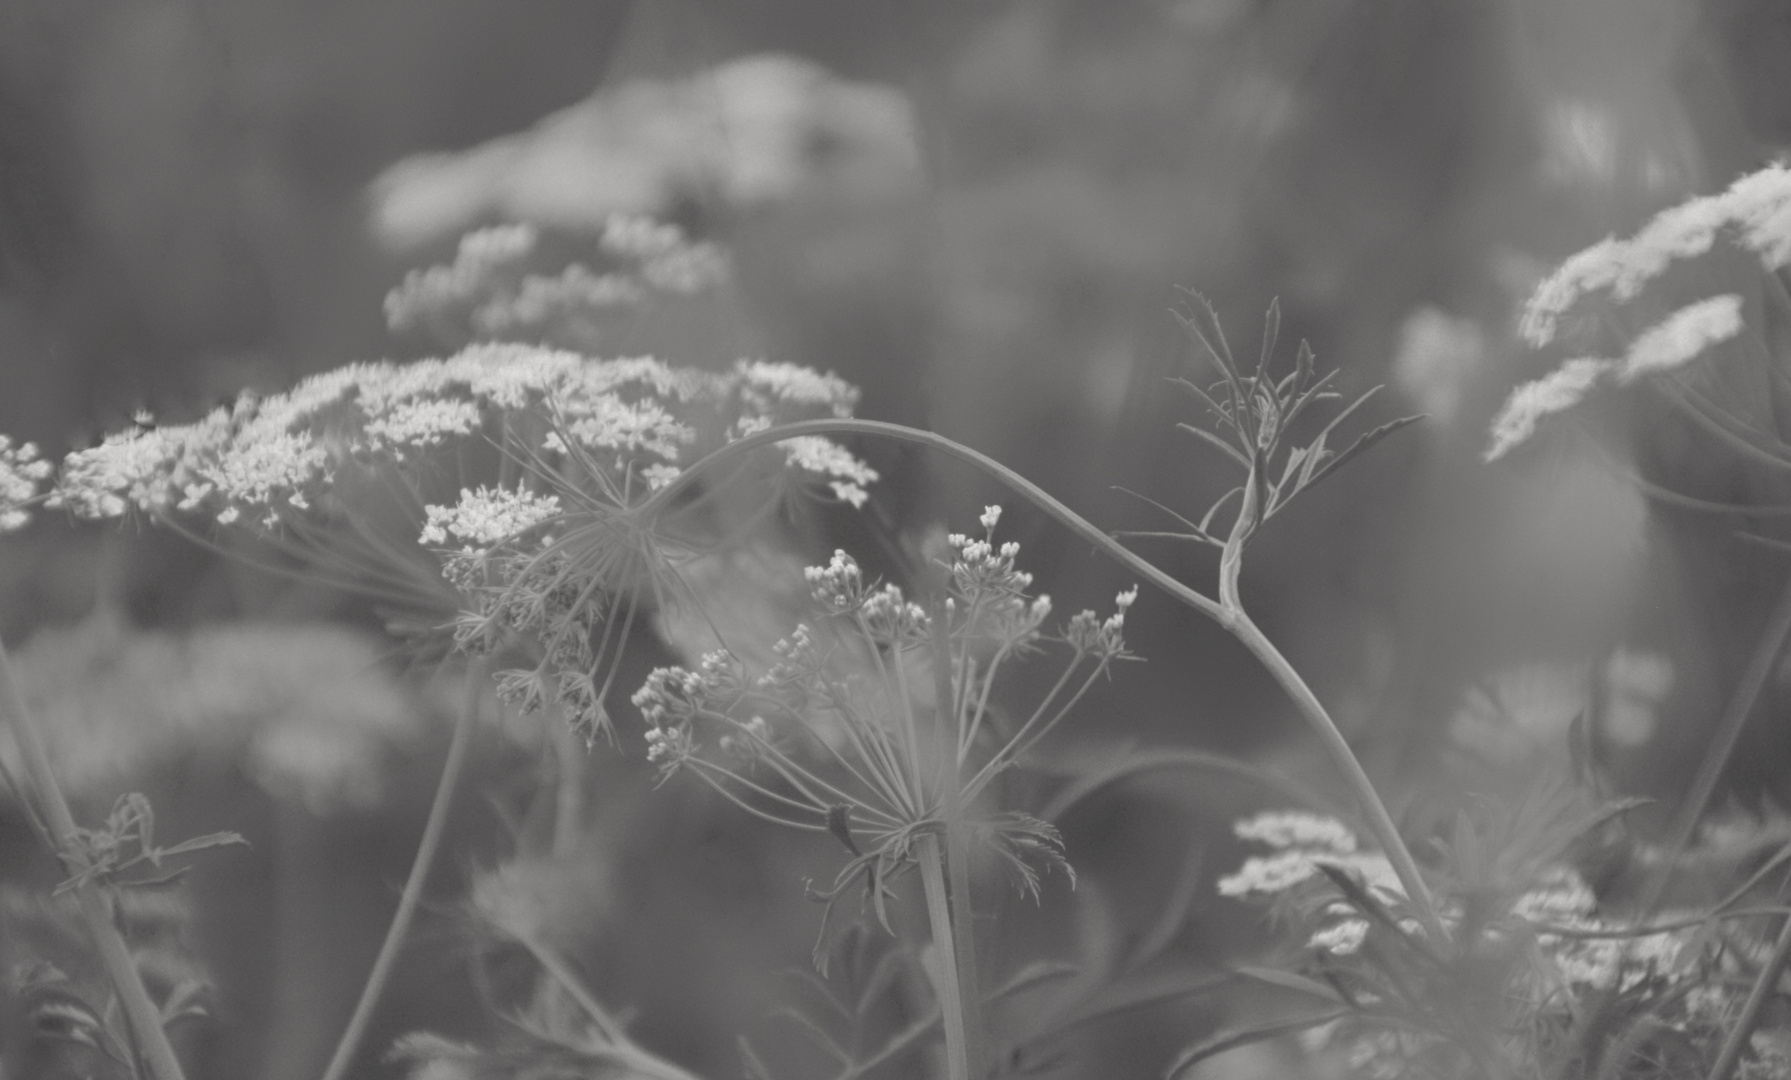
(955, 999)
(956, 844)
(412, 895)
(142, 1013)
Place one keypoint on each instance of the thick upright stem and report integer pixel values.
(956, 840)
(413, 885)
(140, 1011)
(947, 974)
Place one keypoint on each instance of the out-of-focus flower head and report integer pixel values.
(305, 711)
(756, 130)
(1671, 343)
(1756, 210)
(502, 284)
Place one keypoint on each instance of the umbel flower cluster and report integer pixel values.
(528, 478)
(1528, 958)
(1755, 213)
(881, 716)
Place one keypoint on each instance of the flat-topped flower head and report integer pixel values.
(22, 475)
(487, 517)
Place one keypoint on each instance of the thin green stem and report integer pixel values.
(95, 906)
(1368, 800)
(947, 974)
(1763, 988)
(408, 900)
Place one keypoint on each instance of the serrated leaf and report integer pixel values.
(1234, 1038)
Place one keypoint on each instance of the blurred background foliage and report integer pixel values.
(995, 206)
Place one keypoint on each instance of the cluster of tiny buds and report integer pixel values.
(839, 586)
(1106, 638)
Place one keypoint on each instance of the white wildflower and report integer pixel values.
(1555, 392)
(423, 423)
(838, 586)
(607, 422)
(991, 515)
(1304, 842)
(636, 237)
(1559, 897)
(688, 270)
(766, 384)
(1761, 204)
(658, 476)
(255, 472)
(487, 517)
(1341, 939)
(1268, 874)
(482, 254)
(814, 454)
(1682, 335)
(22, 473)
(1297, 828)
(539, 299)
(147, 469)
(1757, 205)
